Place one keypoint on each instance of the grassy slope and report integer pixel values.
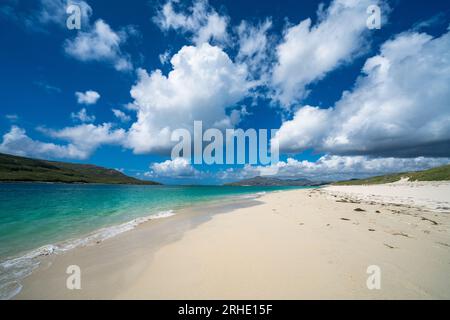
(435, 174)
(13, 168)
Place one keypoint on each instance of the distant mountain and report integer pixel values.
(20, 169)
(435, 174)
(268, 181)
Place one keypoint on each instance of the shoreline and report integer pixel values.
(296, 244)
(146, 239)
(24, 264)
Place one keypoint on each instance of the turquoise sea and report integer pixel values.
(38, 218)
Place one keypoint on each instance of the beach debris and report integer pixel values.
(359, 210)
(443, 244)
(401, 234)
(47, 250)
(347, 201)
(345, 219)
(389, 246)
(432, 221)
(328, 224)
(378, 211)
(371, 230)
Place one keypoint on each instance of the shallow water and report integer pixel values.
(38, 219)
(34, 215)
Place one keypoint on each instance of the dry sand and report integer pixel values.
(299, 244)
(427, 195)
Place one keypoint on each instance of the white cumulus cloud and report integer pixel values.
(200, 20)
(88, 97)
(17, 142)
(176, 168)
(255, 47)
(80, 141)
(203, 82)
(400, 106)
(122, 116)
(100, 43)
(308, 52)
(332, 168)
(88, 136)
(82, 116)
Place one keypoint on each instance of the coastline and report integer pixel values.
(296, 244)
(114, 210)
(115, 255)
(15, 268)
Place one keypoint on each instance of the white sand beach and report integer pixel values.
(298, 244)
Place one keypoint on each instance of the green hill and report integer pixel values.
(20, 169)
(435, 174)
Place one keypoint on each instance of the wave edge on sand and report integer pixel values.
(14, 270)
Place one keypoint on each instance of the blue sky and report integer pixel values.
(348, 101)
